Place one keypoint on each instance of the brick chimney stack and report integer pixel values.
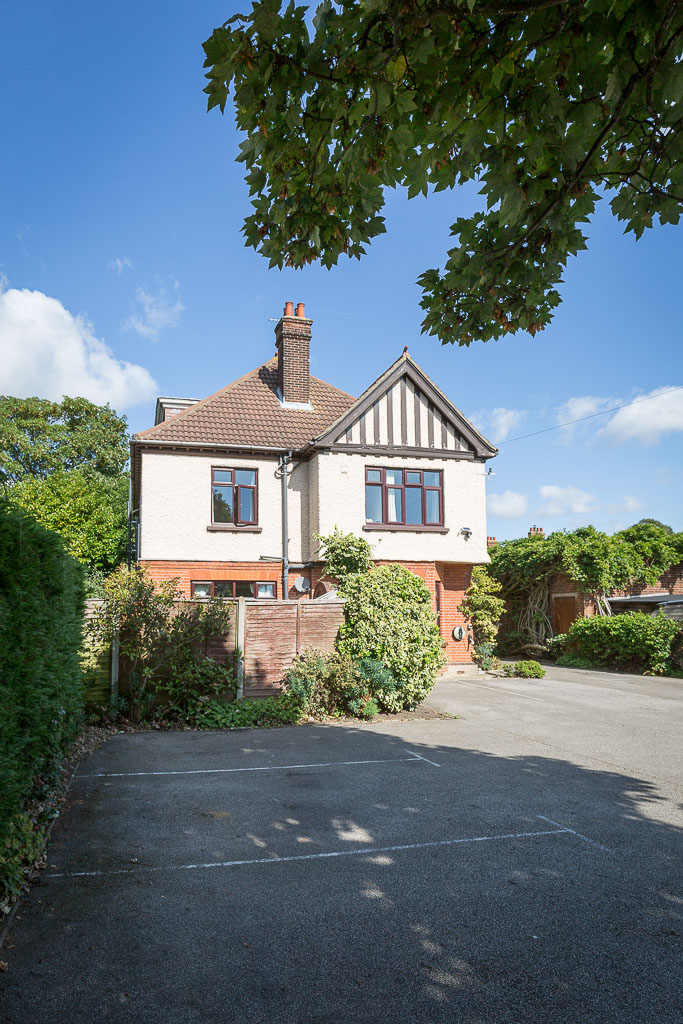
(536, 531)
(292, 341)
(491, 542)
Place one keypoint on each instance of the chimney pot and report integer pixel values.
(300, 308)
(289, 309)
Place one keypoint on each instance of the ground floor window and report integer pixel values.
(233, 588)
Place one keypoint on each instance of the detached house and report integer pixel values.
(230, 490)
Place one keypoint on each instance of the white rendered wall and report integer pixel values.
(341, 502)
(175, 510)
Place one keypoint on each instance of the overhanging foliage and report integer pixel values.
(548, 105)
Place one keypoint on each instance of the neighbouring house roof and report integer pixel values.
(249, 412)
(648, 599)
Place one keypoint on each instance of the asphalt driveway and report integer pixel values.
(519, 864)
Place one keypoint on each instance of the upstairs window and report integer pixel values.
(234, 497)
(404, 497)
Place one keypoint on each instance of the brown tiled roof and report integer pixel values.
(248, 412)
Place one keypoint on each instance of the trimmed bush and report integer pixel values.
(41, 624)
(635, 642)
(524, 670)
(389, 618)
(333, 684)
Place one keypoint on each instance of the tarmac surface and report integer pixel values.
(521, 863)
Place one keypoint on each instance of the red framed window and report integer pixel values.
(234, 497)
(233, 588)
(405, 497)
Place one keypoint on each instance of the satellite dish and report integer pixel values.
(301, 585)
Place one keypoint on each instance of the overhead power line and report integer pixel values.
(592, 415)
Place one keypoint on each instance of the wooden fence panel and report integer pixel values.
(269, 645)
(320, 624)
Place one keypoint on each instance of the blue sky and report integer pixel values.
(125, 275)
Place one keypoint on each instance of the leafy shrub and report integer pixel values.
(524, 670)
(555, 645)
(333, 684)
(633, 642)
(483, 609)
(530, 670)
(41, 621)
(344, 555)
(389, 619)
(285, 709)
(162, 642)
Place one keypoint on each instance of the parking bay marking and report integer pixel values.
(560, 830)
(262, 768)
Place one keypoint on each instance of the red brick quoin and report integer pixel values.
(447, 583)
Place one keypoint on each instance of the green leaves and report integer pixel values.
(38, 437)
(549, 109)
(389, 619)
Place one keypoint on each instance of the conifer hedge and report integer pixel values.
(41, 621)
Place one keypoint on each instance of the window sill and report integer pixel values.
(404, 528)
(224, 528)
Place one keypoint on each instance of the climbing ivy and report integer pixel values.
(597, 562)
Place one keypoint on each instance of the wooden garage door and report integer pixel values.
(564, 612)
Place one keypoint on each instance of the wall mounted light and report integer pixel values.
(466, 532)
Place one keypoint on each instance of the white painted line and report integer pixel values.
(267, 768)
(500, 689)
(309, 856)
(572, 832)
(421, 758)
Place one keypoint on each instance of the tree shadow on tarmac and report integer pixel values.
(581, 926)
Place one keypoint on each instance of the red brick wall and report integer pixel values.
(671, 582)
(453, 579)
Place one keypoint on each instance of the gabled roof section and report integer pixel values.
(405, 410)
(249, 412)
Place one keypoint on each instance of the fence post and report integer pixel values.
(240, 633)
(114, 676)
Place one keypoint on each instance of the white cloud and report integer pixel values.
(629, 504)
(121, 263)
(575, 409)
(647, 421)
(508, 505)
(561, 501)
(156, 310)
(498, 424)
(48, 352)
(503, 422)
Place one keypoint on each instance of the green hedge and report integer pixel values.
(389, 618)
(41, 621)
(635, 642)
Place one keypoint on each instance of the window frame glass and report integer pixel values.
(238, 490)
(410, 480)
(254, 584)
